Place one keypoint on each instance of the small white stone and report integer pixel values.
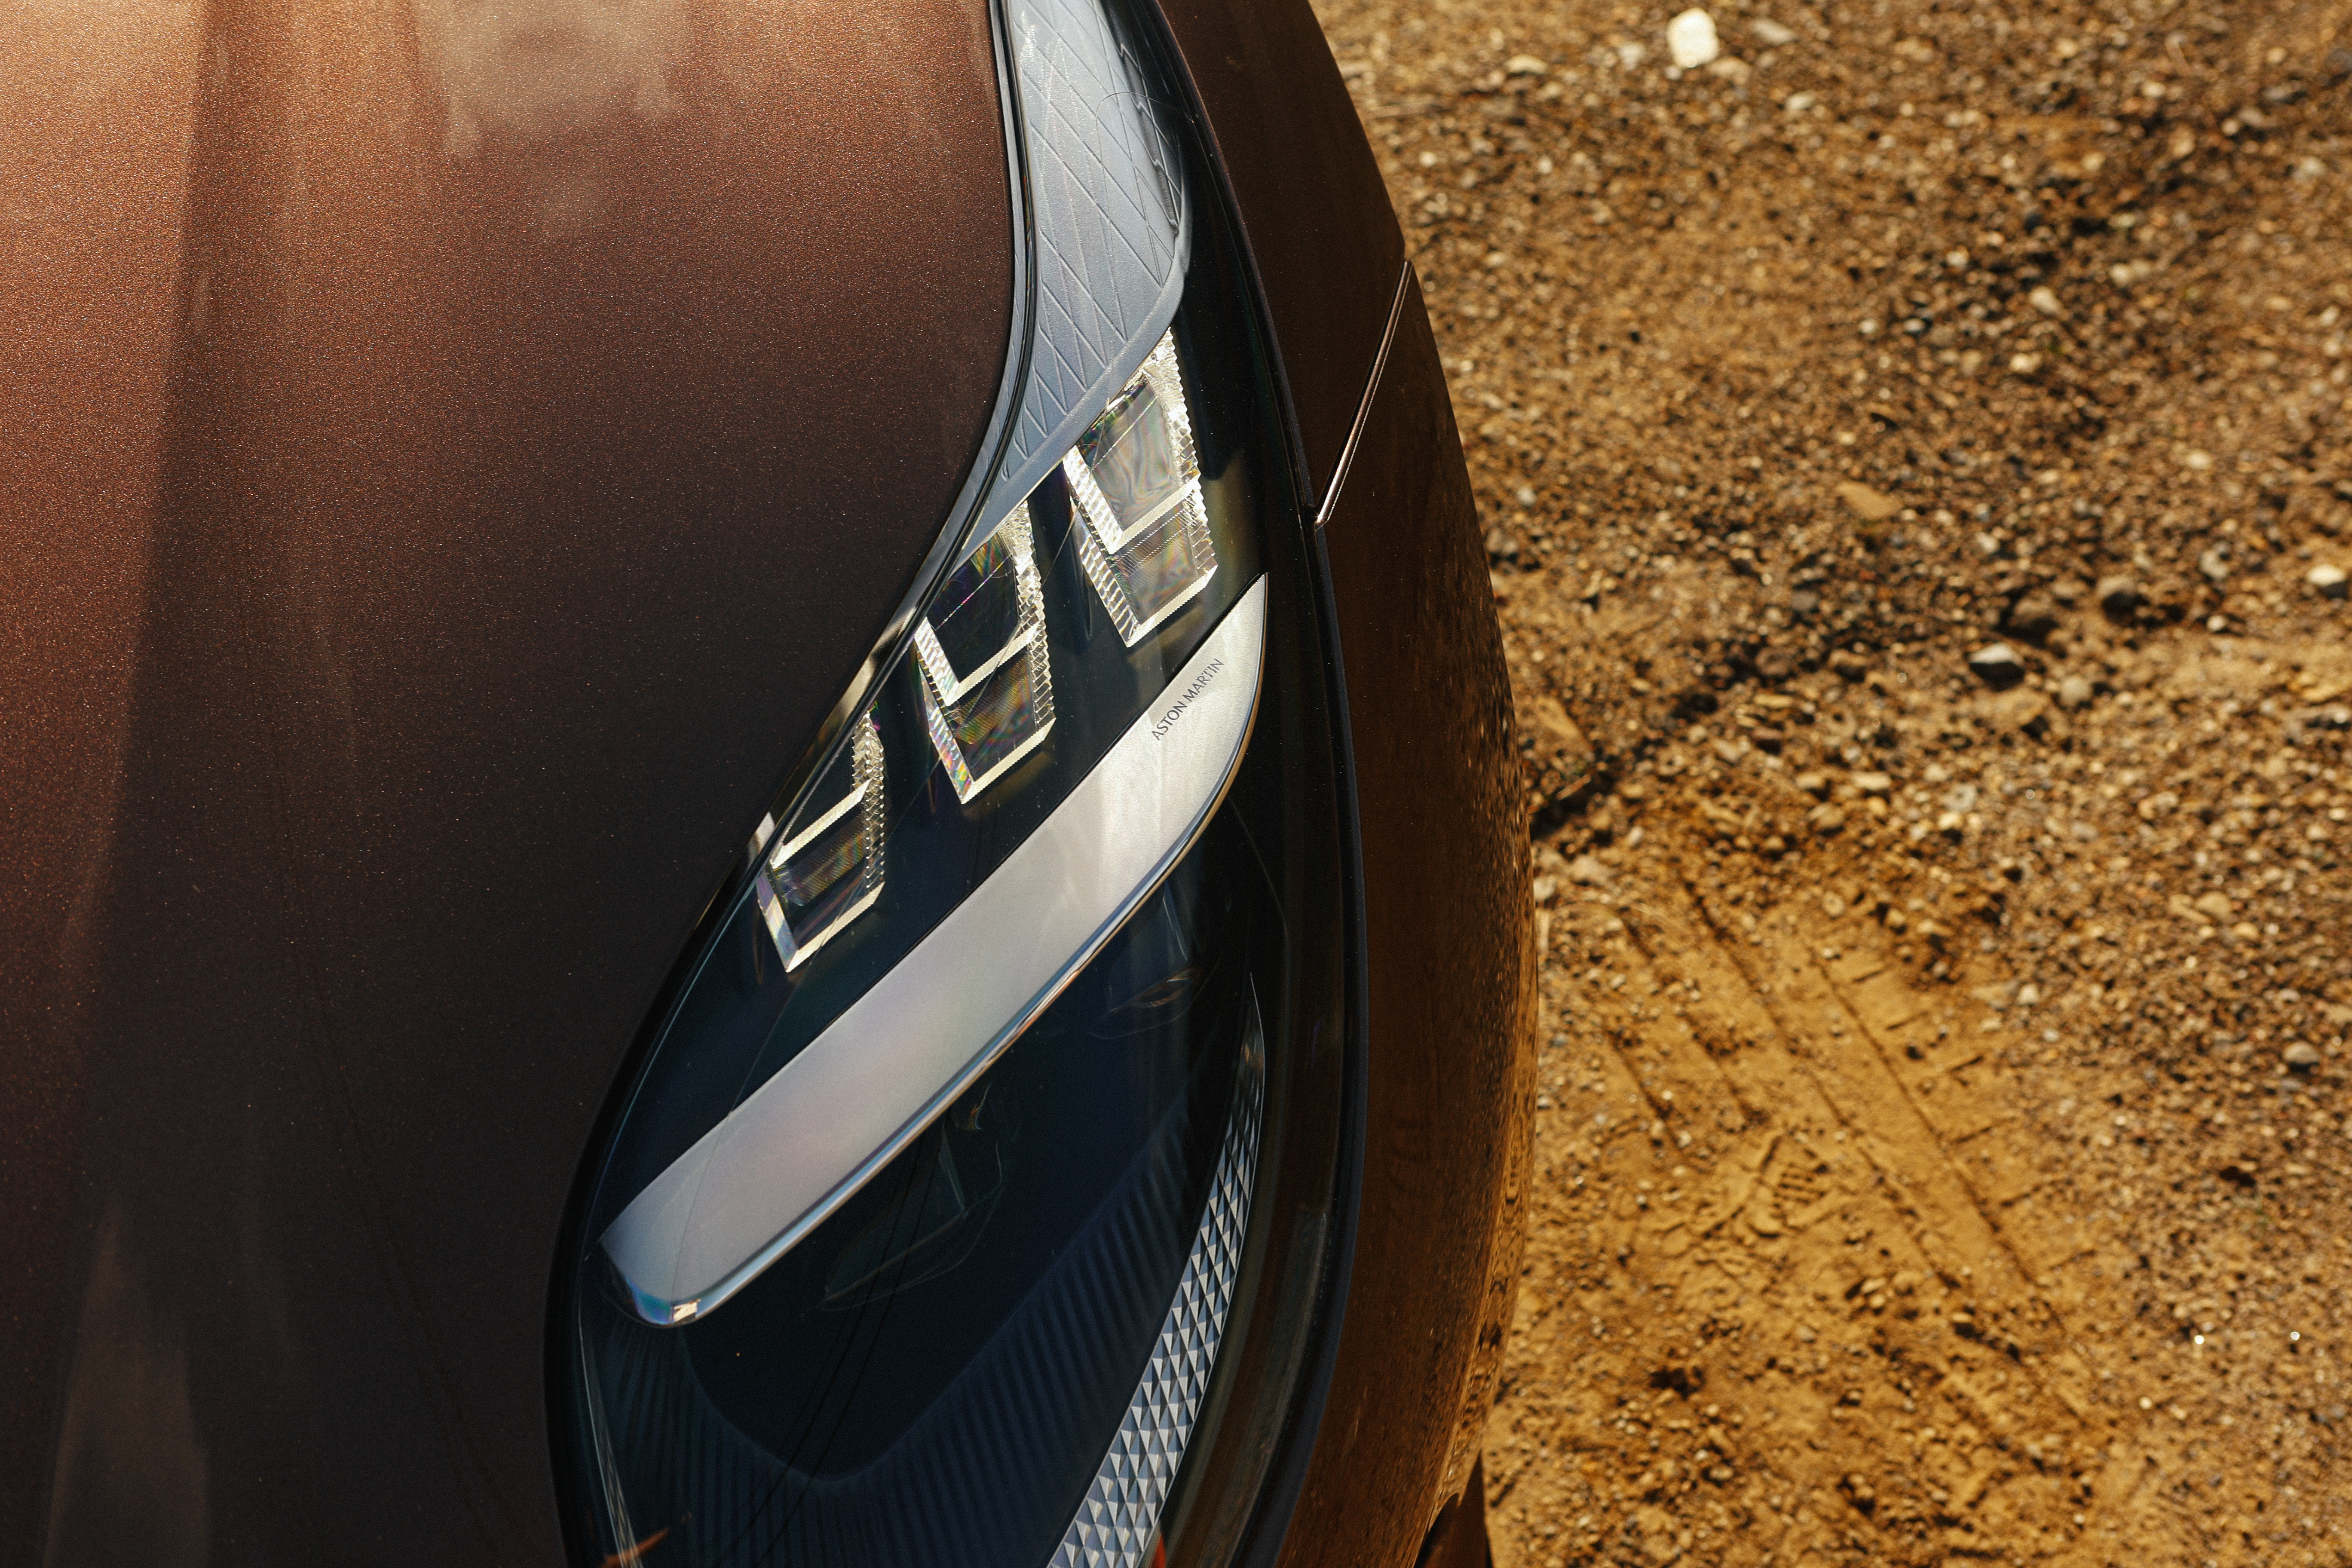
(2329, 580)
(1996, 661)
(1771, 33)
(2045, 299)
(1691, 40)
(1524, 64)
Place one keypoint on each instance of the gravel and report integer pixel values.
(1681, 318)
(1691, 40)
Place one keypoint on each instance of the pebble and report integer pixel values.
(1996, 663)
(2214, 563)
(2329, 580)
(2034, 616)
(2045, 299)
(1691, 40)
(2074, 691)
(1872, 784)
(1870, 505)
(1588, 871)
(1771, 33)
(1501, 546)
(2216, 905)
(1826, 818)
(2300, 1056)
(1524, 64)
(2118, 595)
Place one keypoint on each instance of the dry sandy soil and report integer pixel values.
(1942, 1139)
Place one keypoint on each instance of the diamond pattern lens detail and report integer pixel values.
(828, 873)
(1107, 200)
(987, 678)
(1135, 485)
(1119, 1519)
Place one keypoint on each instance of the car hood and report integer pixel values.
(457, 452)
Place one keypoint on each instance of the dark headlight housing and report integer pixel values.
(1064, 1307)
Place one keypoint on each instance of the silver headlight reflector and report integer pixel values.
(808, 1137)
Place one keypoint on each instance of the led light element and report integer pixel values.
(990, 621)
(830, 872)
(1135, 482)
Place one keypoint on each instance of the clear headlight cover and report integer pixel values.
(918, 1235)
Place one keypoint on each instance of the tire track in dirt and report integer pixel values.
(1802, 1287)
(1786, 387)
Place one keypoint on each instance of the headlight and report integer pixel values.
(919, 1233)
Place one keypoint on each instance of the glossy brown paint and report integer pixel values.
(1451, 970)
(94, 131)
(440, 504)
(1326, 248)
(449, 467)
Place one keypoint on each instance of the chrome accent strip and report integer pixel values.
(803, 1142)
(1119, 1519)
(1406, 279)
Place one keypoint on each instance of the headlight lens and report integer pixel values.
(919, 1234)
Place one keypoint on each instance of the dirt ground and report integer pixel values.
(1942, 1142)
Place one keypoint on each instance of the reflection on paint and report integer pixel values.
(542, 75)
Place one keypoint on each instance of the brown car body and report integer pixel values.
(399, 403)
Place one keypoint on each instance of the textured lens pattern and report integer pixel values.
(1108, 204)
(819, 880)
(1116, 1524)
(987, 673)
(1135, 484)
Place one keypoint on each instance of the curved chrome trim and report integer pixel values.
(899, 1056)
(1119, 1521)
